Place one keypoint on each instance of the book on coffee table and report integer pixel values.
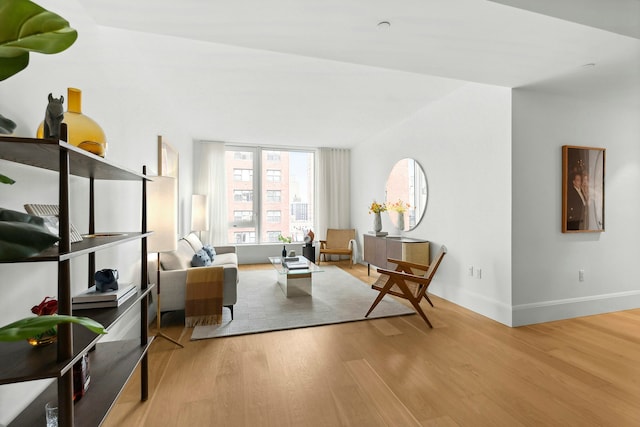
(296, 265)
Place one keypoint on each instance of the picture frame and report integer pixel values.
(168, 159)
(583, 201)
(169, 165)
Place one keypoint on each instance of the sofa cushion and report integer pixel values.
(210, 251)
(179, 259)
(194, 242)
(201, 259)
(222, 260)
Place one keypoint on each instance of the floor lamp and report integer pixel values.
(161, 219)
(199, 217)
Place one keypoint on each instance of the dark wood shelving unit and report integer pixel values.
(112, 363)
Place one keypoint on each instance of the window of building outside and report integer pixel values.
(242, 195)
(274, 217)
(272, 236)
(272, 194)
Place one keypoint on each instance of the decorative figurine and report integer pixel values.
(53, 117)
(106, 280)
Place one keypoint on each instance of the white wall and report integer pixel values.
(546, 261)
(463, 142)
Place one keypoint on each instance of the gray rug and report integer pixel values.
(337, 297)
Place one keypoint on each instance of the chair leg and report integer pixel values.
(427, 298)
(416, 305)
(381, 295)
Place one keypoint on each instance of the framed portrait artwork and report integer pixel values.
(582, 189)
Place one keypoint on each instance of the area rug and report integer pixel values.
(337, 297)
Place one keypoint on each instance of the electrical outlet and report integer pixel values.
(471, 271)
(581, 275)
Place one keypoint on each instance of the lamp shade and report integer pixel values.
(199, 217)
(161, 214)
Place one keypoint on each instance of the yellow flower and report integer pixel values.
(377, 207)
(398, 206)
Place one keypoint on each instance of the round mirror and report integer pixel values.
(406, 194)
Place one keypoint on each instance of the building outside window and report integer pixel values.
(272, 236)
(274, 175)
(274, 217)
(272, 194)
(244, 175)
(242, 195)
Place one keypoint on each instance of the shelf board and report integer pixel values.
(44, 153)
(21, 362)
(86, 246)
(110, 366)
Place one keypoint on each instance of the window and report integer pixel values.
(242, 195)
(273, 156)
(273, 175)
(245, 237)
(274, 216)
(245, 175)
(272, 194)
(242, 216)
(272, 236)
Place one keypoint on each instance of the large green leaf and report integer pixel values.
(32, 326)
(26, 27)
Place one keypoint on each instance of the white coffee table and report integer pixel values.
(294, 282)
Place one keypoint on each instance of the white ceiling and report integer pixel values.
(481, 41)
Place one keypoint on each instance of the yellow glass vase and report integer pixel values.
(83, 131)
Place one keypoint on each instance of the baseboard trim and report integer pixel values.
(478, 303)
(548, 311)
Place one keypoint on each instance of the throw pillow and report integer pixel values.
(201, 259)
(210, 251)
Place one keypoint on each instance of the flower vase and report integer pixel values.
(47, 337)
(82, 130)
(377, 222)
(401, 221)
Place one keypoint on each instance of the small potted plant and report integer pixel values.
(42, 329)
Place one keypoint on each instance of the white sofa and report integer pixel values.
(173, 273)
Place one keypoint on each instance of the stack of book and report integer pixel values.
(296, 263)
(91, 298)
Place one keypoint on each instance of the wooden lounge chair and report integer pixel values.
(338, 242)
(402, 283)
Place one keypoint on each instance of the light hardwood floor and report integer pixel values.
(467, 371)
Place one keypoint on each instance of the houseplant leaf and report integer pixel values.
(27, 27)
(32, 326)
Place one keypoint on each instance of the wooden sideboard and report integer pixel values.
(377, 249)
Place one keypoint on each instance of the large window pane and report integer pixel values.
(287, 188)
(277, 200)
(240, 200)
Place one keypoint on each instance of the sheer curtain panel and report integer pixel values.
(210, 179)
(334, 196)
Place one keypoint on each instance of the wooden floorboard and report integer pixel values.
(466, 371)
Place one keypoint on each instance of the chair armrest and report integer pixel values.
(225, 249)
(323, 244)
(405, 276)
(402, 263)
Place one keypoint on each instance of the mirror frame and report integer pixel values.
(392, 196)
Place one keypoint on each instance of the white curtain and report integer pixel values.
(210, 179)
(334, 196)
